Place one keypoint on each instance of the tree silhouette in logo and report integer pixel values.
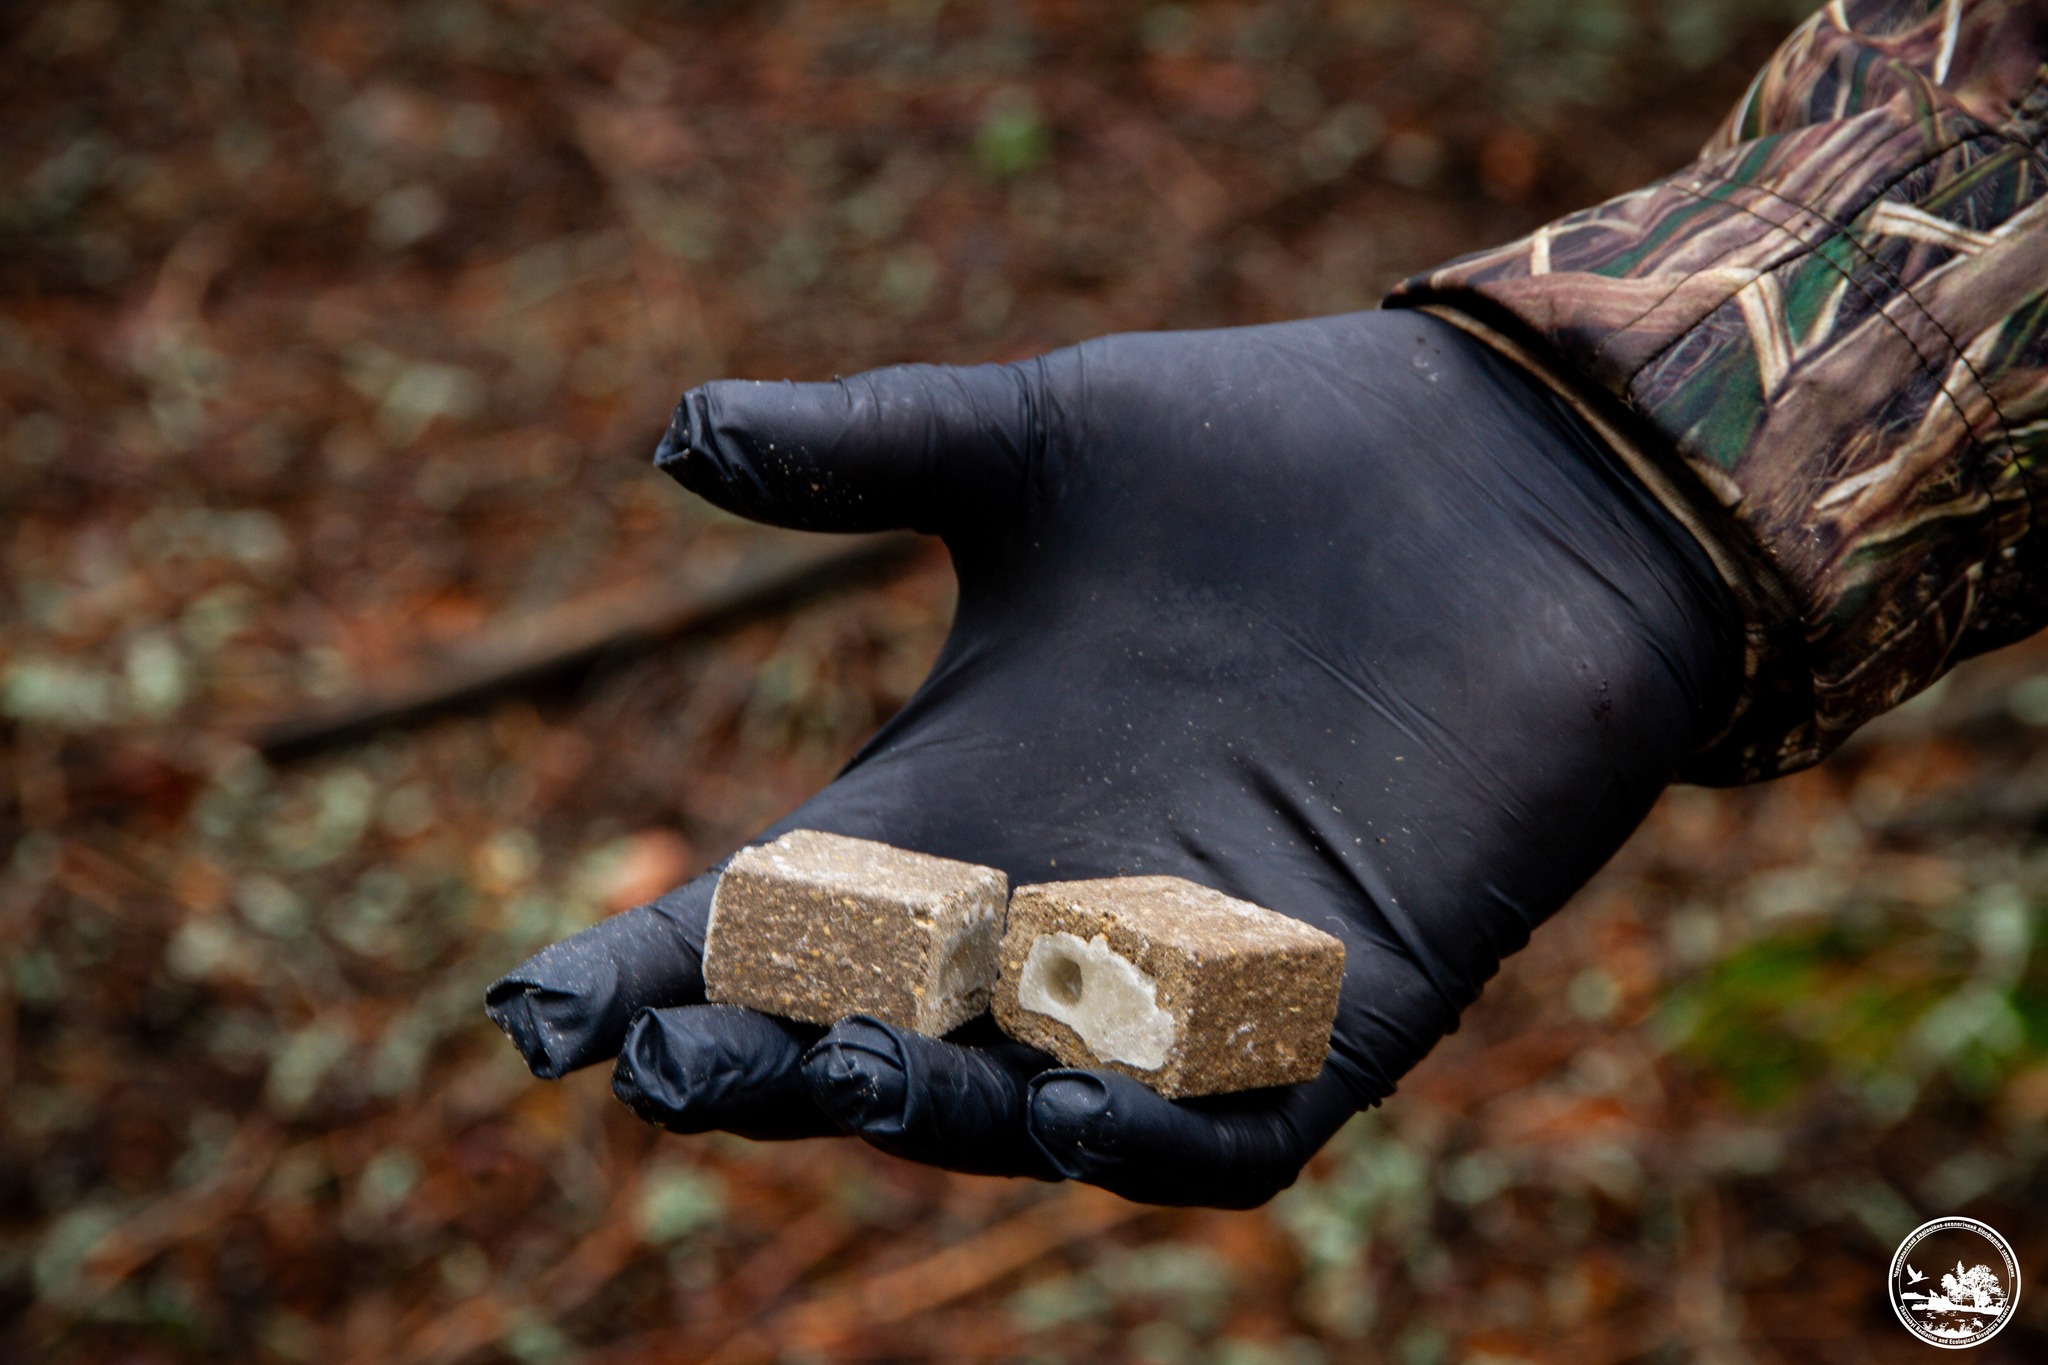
(1976, 1288)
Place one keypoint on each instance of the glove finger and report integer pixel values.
(1229, 1151)
(945, 1104)
(706, 1067)
(932, 447)
(570, 1004)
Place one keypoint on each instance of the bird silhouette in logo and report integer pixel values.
(1913, 1276)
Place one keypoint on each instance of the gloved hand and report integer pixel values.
(1345, 617)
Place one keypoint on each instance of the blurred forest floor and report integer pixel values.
(333, 336)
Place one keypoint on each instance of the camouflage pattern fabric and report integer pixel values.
(1825, 345)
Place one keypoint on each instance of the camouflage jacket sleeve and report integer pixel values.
(1824, 344)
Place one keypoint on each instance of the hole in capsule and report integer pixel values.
(1064, 981)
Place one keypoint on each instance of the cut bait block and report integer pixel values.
(818, 926)
(1186, 989)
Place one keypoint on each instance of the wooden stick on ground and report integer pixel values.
(817, 1325)
(605, 625)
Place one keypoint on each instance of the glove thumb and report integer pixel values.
(932, 447)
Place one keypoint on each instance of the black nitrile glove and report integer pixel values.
(1344, 617)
